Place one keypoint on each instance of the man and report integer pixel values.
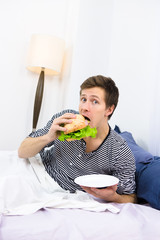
(108, 153)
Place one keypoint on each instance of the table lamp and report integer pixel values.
(45, 57)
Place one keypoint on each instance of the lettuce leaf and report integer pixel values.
(82, 133)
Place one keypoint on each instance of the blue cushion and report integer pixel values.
(148, 182)
(147, 172)
(141, 156)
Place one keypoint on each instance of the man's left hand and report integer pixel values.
(108, 194)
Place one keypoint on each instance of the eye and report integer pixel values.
(95, 101)
(83, 99)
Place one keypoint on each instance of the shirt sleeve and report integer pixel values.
(45, 129)
(125, 170)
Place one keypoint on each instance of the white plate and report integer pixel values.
(96, 180)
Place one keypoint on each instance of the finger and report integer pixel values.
(87, 189)
(96, 190)
(61, 129)
(62, 121)
(113, 187)
(68, 115)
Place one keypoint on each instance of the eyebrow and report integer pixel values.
(95, 96)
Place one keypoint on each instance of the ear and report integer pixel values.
(109, 110)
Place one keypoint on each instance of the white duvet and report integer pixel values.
(25, 187)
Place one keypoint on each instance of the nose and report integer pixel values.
(85, 106)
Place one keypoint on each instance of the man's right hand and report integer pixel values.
(57, 125)
(33, 145)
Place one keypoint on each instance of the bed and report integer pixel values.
(25, 215)
(134, 222)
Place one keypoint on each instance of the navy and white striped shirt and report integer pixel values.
(64, 161)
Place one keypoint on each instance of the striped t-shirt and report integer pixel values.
(64, 161)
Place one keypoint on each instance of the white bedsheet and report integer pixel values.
(133, 222)
(25, 187)
(24, 194)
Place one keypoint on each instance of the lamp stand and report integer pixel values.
(38, 99)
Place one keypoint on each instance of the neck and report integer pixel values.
(101, 135)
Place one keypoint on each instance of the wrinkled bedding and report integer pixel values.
(25, 187)
(33, 207)
(134, 222)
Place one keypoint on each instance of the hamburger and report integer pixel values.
(78, 129)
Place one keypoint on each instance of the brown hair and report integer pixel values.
(106, 83)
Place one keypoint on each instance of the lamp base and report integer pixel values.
(38, 100)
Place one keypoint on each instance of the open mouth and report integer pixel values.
(86, 118)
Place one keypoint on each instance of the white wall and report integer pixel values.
(92, 45)
(19, 19)
(116, 38)
(133, 63)
(121, 39)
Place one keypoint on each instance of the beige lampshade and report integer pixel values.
(46, 52)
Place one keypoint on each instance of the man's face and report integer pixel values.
(92, 105)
